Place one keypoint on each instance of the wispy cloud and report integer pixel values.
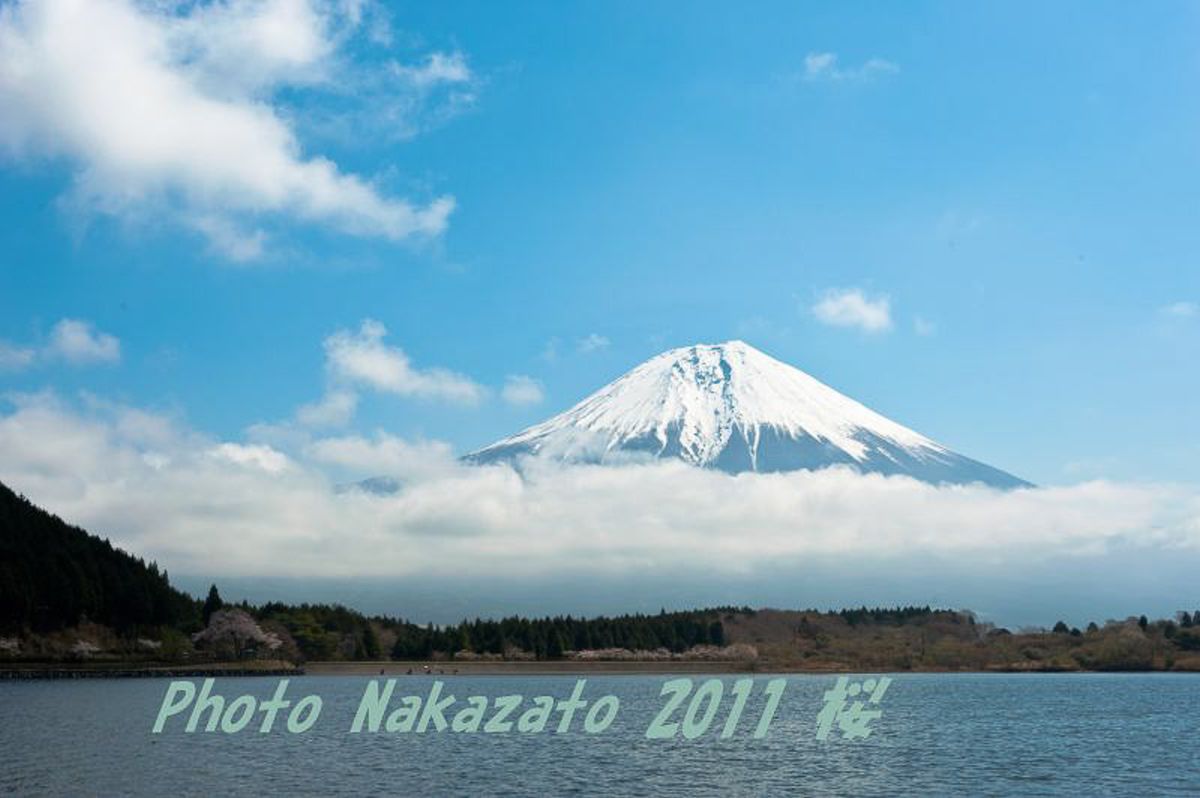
(593, 342)
(820, 66)
(1181, 310)
(401, 100)
(361, 358)
(438, 68)
(522, 391)
(923, 326)
(169, 110)
(549, 352)
(335, 409)
(850, 307)
(14, 357)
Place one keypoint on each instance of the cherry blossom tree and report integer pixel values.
(234, 632)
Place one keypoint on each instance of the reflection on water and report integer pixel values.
(940, 734)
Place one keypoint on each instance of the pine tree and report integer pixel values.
(554, 645)
(716, 633)
(212, 603)
(370, 642)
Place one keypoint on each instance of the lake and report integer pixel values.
(939, 734)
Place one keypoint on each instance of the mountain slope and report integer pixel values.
(731, 407)
(52, 575)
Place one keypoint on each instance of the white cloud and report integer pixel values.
(522, 391)
(824, 67)
(258, 456)
(437, 68)
(170, 109)
(362, 358)
(401, 100)
(335, 409)
(158, 493)
(594, 342)
(241, 46)
(1181, 310)
(14, 357)
(550, 351)
(78, 342)
(227, 239)
(382, 455)
(74, 341)
(850, 307)
(923, 326)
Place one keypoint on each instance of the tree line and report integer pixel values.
(551, 637)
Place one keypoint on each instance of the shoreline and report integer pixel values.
(642, 668)
(59, 671)
(527, 667)
(391, 668)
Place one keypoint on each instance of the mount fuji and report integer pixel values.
(733, 408)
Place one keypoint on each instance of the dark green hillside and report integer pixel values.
(53, 575)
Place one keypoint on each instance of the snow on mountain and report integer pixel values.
(731, 407)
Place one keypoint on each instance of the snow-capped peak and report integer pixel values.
(733, 407)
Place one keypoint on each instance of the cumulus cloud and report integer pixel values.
(74, 341)
(522, 391)
(78, 341)
(824, 67)
(172, 109)
(172, 494)
(356, 360)
(362, 358)
(850, 307)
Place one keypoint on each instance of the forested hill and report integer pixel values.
(53, 575)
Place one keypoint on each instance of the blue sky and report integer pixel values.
(256, 249)
(1019, 182)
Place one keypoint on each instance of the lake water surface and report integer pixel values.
(940, 734)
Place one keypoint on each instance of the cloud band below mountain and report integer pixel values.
(198, 505)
